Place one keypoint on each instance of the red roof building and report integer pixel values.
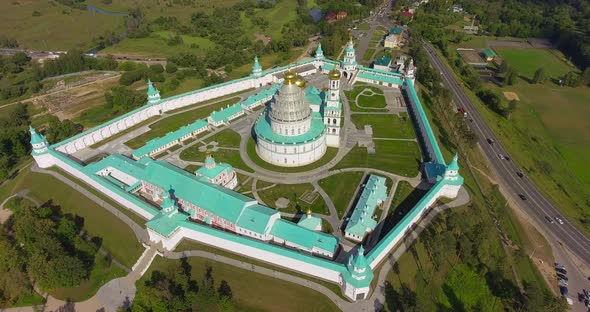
(407, 14)
(330, 16)
(341, 15)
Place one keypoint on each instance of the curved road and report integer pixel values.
(535, 205)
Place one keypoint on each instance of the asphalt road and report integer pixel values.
(536, 205)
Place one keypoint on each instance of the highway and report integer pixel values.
(536, 206)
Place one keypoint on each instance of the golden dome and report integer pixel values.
(290, 77)
(300, 82)
(309, 212)
(334, 74)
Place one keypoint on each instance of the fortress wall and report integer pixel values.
(252, 252)
(76, 170)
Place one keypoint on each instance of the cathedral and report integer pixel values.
(300, 122)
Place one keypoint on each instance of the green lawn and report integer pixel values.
(368, 54)
(386, 126)
(173, 123)
(527, 61)
(58, 28)
(154, 46)
(374, 103)
(226, 138)
(293, 193)
(270, 294)
(341, 188)
(117, 237)
(398, 157)
(404, 199)
(251, 149)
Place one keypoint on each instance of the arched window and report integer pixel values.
(334, 120)
(333, 130)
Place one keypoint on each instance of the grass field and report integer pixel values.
(269, 294)
(386, 126)
(225, 138)
(341, 187)
(156, 45)
(404, 199)
(117, 237)
(293, 193)
(58, 28)
(527, 61)
(174, 122)
(399, 157)
(374, 103)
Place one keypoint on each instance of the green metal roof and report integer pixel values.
(252, 99)
(361, 219)
(256, 65)
(314, 96)
(489, 53)
(303, 237)
(36, 138)
(382, 78)
(383, 61)
(256, 218)
(215, 170)
(166, 224)
(224, 114)
(357, 263)
(396, 30)
(319, 52)
(424, 119)
(156, 143)
(264, 131)
(310, 222)
(454, 164)
(151, 89)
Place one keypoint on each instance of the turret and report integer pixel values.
(40, 149)
(358, 276)
(452, 170)
(209, 162)
(319, 53)
(453, 180)
(349, 62)
(334, 95)
(168, 205)
(256, 68)
(153, 94)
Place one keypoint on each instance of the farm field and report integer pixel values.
(55, 22)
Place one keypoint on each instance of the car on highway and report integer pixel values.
(549, 219)
(490, 141)
(558, 219)
(506, 157)
(501, 156)
(522, 196)
(519, 174)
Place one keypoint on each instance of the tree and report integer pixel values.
(539, 76)
(510, 76)
(586, 76)
(171, 68)
(571, 79)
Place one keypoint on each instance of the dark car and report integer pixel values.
(563, 290)
(522, 196)
(518, 173)
(562, 271)
(549, 219)
(563, 277)
(490, 141)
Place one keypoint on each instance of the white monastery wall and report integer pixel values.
(291, 155)
(255, 253)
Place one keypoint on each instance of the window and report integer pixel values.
(334, 120)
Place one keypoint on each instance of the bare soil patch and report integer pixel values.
(509, 95)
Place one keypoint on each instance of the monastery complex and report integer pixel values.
(295, 126)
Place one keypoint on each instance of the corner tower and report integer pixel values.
(40, 151)
(333, 109)
(453, 180)
(356, 280)
(153, 94)
(319, 53)
(256, 68)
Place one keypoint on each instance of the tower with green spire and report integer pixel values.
(453, 180)
(256, 69)
(168, 205)
(349, 63)
(356, 280)
(319, 53)
(40, 149)
(153, 94)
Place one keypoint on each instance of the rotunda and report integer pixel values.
(289, 133)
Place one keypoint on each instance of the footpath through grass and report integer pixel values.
(299, 196)
(228, 140)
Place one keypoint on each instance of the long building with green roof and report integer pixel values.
(361, 220)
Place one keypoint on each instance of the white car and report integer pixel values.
(558, 219)
(501, 156)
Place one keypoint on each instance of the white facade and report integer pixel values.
(291, 155)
